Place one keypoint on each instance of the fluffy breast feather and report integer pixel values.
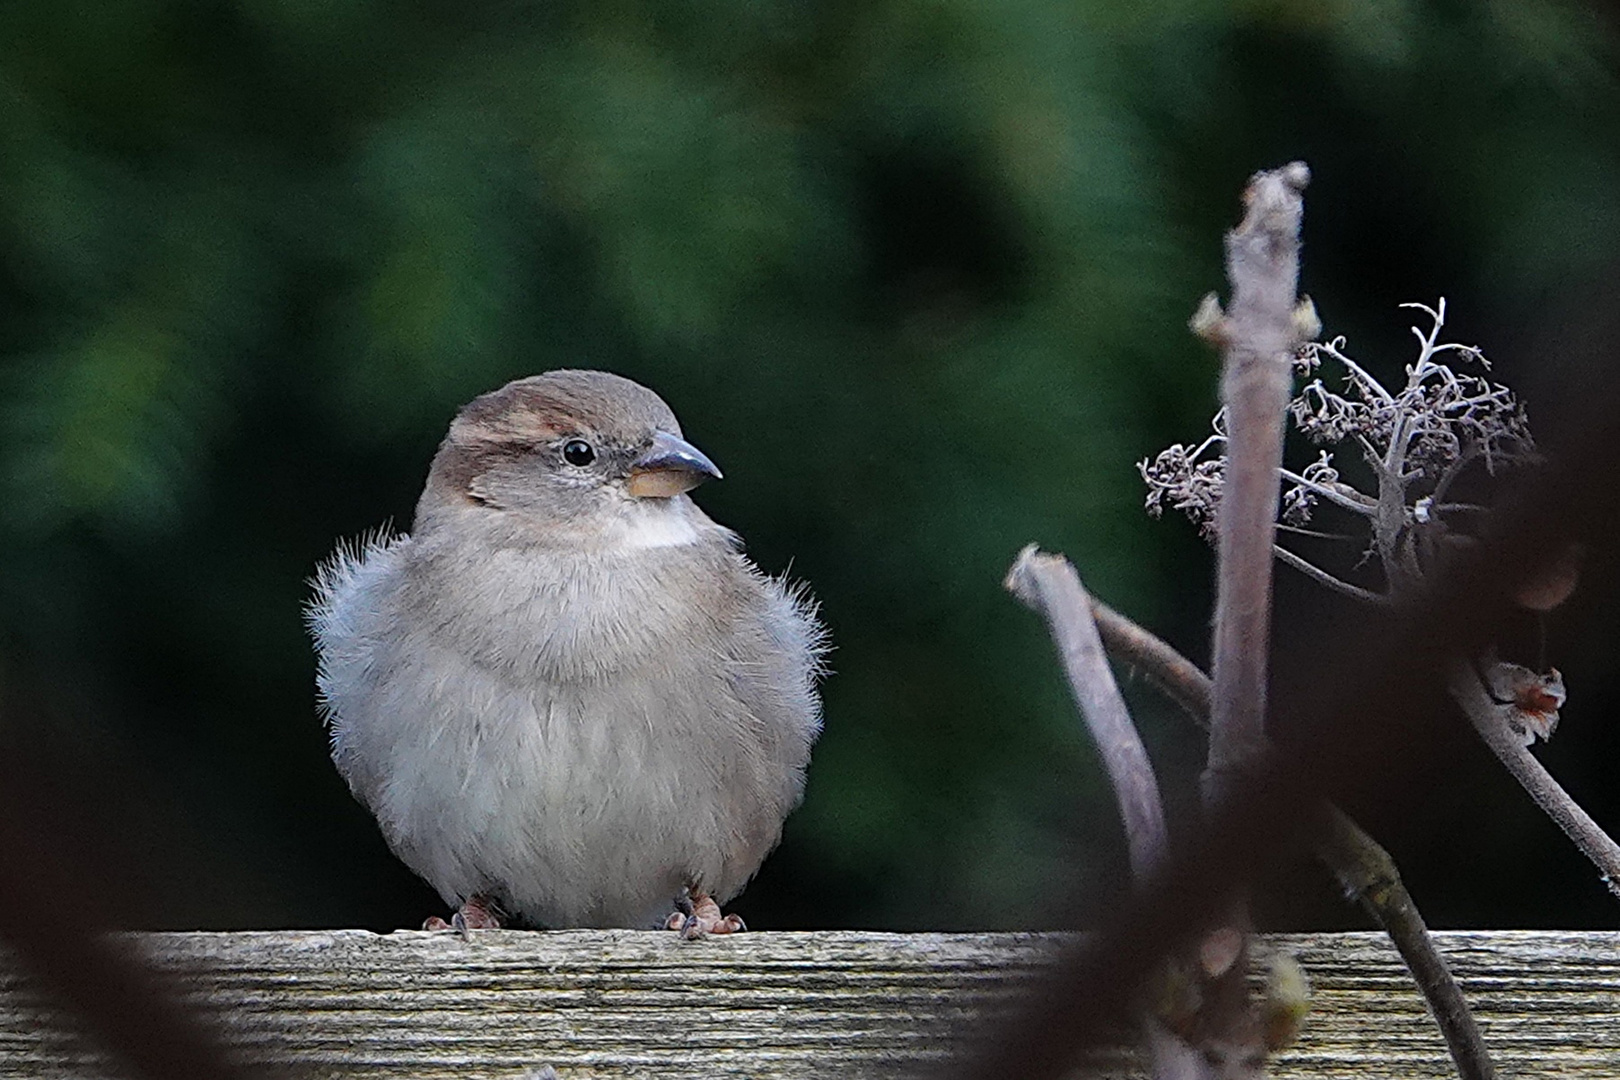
(580, 739)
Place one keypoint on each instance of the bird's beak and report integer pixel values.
(670, 467)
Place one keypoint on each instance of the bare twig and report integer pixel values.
(1315, 534)
(1360, 863)
(1491, 720)
(1325, 579)
(1181, 680)
(1262, 262)
(1049, 585)
(1368, 873)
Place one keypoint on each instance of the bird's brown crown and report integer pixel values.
(544, 407)
(534, 411)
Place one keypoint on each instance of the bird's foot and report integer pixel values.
(697, 915)
(476, 913)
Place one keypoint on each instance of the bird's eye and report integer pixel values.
(578, 452)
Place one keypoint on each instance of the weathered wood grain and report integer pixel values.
(631, 1004)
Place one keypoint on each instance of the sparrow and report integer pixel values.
(566, 695)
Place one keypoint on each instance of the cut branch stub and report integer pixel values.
(1050, 586)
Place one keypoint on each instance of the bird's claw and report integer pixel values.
(696, 915)
(475, 913)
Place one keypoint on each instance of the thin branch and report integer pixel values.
(1368, 874)
(1181, 680)
(1453, 470)
(1366, 377)
(1360, 863)
(1315, 534)
(1335, 350)
(1391, 519)
(1389, 522)
(1322, 577)
(1438, 316)
(1338, 498)
(1369, 452)
(1490, 719)
(1209, 441)
(1049, 585)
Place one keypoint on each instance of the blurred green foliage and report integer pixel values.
(915, 272)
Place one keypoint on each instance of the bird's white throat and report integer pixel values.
(656, 523)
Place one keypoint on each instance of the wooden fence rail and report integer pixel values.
(593, 1005)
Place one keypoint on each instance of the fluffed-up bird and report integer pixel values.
(567, 696)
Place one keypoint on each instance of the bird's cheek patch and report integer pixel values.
(661, 483)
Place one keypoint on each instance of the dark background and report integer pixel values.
(916, 274)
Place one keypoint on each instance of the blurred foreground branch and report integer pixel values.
(58, 917)
(1360, 863)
